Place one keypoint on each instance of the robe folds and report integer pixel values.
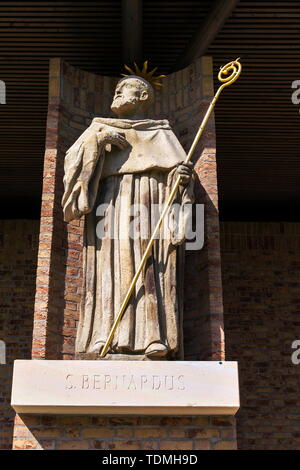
(118, 190)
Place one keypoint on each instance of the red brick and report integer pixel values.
(176, 445)
(73, 445)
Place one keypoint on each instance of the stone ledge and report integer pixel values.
(125, 387)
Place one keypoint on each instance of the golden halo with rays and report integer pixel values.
(143, 73)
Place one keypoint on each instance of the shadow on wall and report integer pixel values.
(198, 329)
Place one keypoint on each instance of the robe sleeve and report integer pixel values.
(83, 166)
(179, 213)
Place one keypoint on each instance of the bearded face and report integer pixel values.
(127, 97)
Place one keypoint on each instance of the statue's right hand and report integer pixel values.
(112, 138)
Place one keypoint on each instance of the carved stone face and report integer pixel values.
(130, 95)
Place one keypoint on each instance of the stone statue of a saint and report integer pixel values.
(115, 164)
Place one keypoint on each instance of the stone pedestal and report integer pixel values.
(125, 387)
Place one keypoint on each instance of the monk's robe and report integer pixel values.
(142, 174)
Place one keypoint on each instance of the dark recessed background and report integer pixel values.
(257, 125)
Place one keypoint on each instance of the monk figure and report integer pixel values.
(115, 165)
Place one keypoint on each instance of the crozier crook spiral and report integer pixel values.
(229, 72)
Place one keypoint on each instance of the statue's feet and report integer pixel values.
(156, 350)
(97, 347)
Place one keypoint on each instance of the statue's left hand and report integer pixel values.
(185, 171)
(112, 138)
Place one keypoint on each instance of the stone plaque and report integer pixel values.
(125, 387)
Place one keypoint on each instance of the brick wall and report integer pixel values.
(126, 433)
(75, 97)
(261, 271)
(261, 284)
(260, 266)
(18, 251)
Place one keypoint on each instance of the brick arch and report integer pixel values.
(75, 97)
